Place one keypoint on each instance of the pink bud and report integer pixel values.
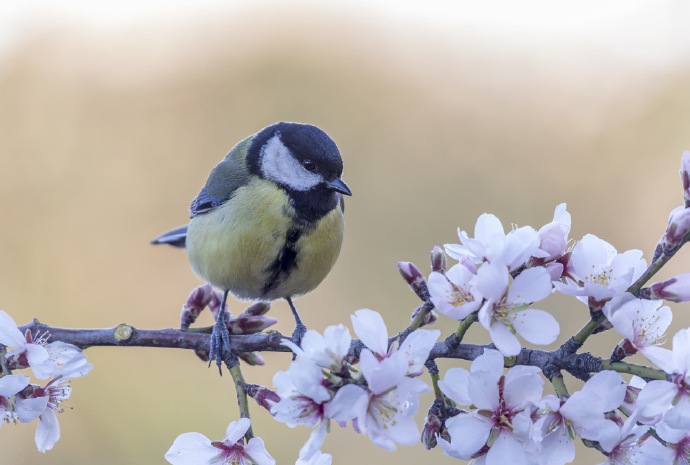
(685, 176)
(250, 324)
(438, 259)
(677, 230)
(414, 279)
(429, 318)
(259, 308)
(623, 349)
(432, 428)
(676, 289)
(262, 395)
(200, 298)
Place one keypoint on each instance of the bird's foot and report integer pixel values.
(219, 347)
(297, 335)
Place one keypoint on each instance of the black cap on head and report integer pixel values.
(305, 141)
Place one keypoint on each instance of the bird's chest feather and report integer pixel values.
(253, 246)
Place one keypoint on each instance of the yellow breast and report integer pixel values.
(234, 246)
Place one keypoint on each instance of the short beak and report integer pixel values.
(339, 185)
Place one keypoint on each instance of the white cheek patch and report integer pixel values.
(278, 165)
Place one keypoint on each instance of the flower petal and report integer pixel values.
(468, 434)
(532, 285)
(504, 339)
(371, 329)
(256, 451)
(536, 326)
(191, 449)
(236, 430)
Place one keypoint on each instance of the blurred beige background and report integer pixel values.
(112, 115)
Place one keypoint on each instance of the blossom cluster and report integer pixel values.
(508, 419)
(379, 399)
(56, 362)
(323, 385)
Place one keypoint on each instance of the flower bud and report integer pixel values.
(262, 395)
(252, 358)
(250, 324)
(414, 279)
(429, 318)
(677, 230)
(685, 176)
(259, 308)
(438, 259)
(432, 428)
(197, 301)
(676, 289)
(623, 349)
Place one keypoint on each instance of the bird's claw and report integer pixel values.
(219, 347)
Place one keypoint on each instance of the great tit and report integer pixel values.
(268, 224)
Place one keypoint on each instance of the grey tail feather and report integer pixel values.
(176, 237)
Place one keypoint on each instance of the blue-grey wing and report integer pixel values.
(228, 176)
(176, 237)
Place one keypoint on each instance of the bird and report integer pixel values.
(268, 224)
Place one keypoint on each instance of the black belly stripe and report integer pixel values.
(286, 261)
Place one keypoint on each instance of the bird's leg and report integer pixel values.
(300, 329)
(220, 337)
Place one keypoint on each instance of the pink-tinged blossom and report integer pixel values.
(671, 398)
(553, 237)
(386, 416)
(384, 409)
(499, 399)
(599, 272)
(304, 400)
(412, 353)
(642, 323)
(676, 451)
(46, 360)
(676, 289)
(9, 386)
(585, 409)
(491, 243)
(197, 449)
(25, 352)
(327, 350)
(553, 433)
(506, 310)
(454, 293)
(621, 446)
(48, 431)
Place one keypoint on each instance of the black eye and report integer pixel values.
(309, 165)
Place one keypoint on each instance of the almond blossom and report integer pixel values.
(671, 398)
(642, 322)
(598, 272)
(500, 400)
(197, 449)
(454, 293)
(507, 311)
(491, 243)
